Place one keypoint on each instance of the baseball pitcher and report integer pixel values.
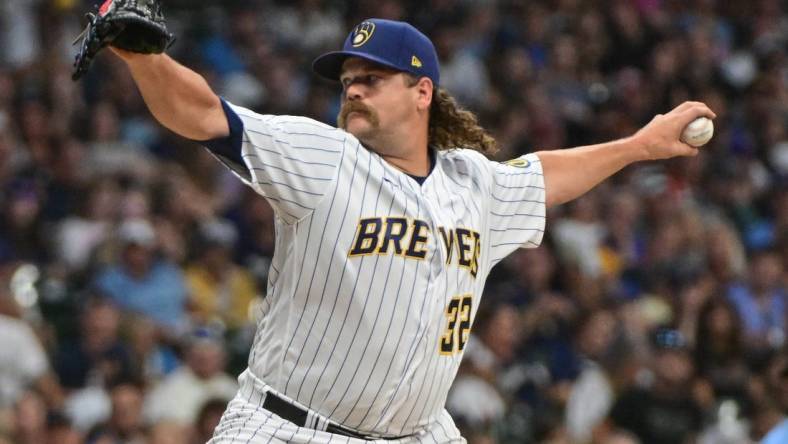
(387, 226)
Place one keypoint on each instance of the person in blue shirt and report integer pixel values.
(143, 283)
(761, 301)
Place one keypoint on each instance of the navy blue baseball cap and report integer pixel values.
(394, 44)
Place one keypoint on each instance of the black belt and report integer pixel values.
(298, 416)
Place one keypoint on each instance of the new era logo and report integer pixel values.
(414, 61)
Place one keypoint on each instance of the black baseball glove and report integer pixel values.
(133, 25)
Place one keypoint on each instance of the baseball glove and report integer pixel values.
(133, 25)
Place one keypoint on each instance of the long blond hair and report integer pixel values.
(452, 126)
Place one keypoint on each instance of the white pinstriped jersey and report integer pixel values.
(376, 279)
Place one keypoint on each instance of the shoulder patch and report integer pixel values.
(518, 162)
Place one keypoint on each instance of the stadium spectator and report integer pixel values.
(207, 419)
(776, 384)
(220, 291)
(152, 357)
(140, 282)
(181, 394)
(664, 412)
(593, 392)
(125, 422)
(23, 360)
(30, 415)
(762, 302)
(98, 356)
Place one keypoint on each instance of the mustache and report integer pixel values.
(358, 107)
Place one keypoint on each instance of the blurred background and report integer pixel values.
(132, 264)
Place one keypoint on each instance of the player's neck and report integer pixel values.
(417, 164)
(410, 155)
(406, 149)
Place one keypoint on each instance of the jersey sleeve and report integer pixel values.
(517, 206)
(291, 160)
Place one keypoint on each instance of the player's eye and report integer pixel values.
(366, 80)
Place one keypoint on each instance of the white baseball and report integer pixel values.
(698, 132)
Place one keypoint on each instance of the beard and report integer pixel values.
(357, 107)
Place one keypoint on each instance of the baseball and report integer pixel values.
(698, 132)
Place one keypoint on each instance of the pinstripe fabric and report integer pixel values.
(246, 422)
(361, 339)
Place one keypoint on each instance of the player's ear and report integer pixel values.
(424, 89)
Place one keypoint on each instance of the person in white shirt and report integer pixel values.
(180, 395)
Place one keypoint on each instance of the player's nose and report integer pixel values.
(353, 92)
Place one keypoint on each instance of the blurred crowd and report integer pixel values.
(133, 265)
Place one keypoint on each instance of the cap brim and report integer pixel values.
(329, 65)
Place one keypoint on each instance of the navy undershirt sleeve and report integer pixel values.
(228, 148)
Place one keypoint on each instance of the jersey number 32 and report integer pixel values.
(458, 313)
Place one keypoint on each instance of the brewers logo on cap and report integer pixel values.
(363, 33)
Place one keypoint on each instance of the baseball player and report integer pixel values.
(387, 228)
